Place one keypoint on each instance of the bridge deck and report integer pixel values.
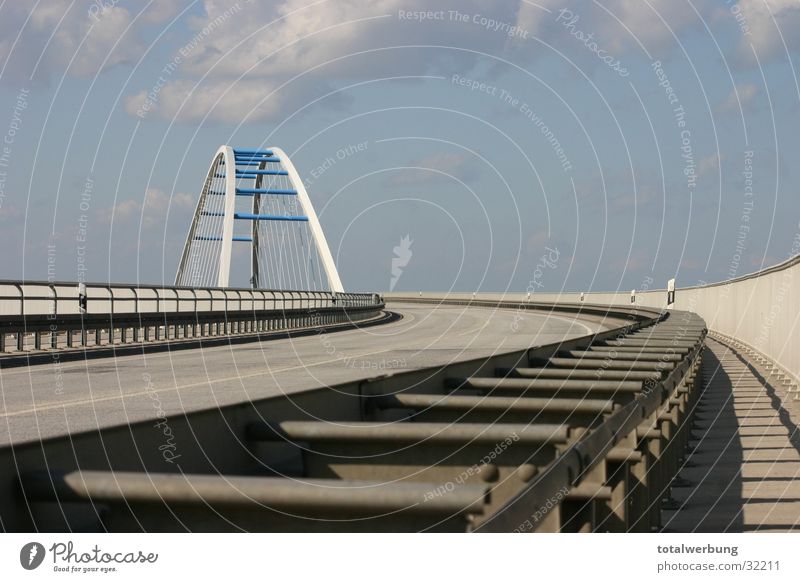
(64, 398)
(744, 473)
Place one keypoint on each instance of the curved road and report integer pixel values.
(55, 399)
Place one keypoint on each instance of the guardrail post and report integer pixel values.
(652, 448)
(581, 512)
(669, 421)
(638, 496)
(617, 511)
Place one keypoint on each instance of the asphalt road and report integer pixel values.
(55, 399)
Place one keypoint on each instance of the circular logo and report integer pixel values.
(31, 555)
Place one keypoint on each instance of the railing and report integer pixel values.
(758, 310)
(617, 474)
(594, 428)
(35, 311)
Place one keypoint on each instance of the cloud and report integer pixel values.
(644, 21)
(444, 166)
(152, 210)
(296, 36)
(708, 164)
(739, 98)
(82, 38)
(229, 101)
(766, 25)
(238, 54)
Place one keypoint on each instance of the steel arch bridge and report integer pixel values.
(255, 197)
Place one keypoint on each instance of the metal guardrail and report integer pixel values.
(55, 315)
(757, 309)
(582, 435)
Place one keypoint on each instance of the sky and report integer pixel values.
(474, 145)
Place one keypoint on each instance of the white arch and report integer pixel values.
(225, 160)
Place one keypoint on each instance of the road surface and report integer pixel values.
(49, 400)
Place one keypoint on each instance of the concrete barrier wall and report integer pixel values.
(761, 309)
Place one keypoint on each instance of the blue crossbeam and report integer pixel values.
(236, 238)
(253, 191)
(250, 216)
(256, 162)
(255, 173)
(251, 152)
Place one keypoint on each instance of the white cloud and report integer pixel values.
(239, 53)
(152, 210)
(235, 54)
(296, 36)
(740, 97)
(644, 21)
(709, 164)
(230, 101)
(87, 36)
(765, 22)
(436, 168)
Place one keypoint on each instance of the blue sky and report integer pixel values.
(494, 133)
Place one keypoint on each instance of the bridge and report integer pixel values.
(283, 403)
